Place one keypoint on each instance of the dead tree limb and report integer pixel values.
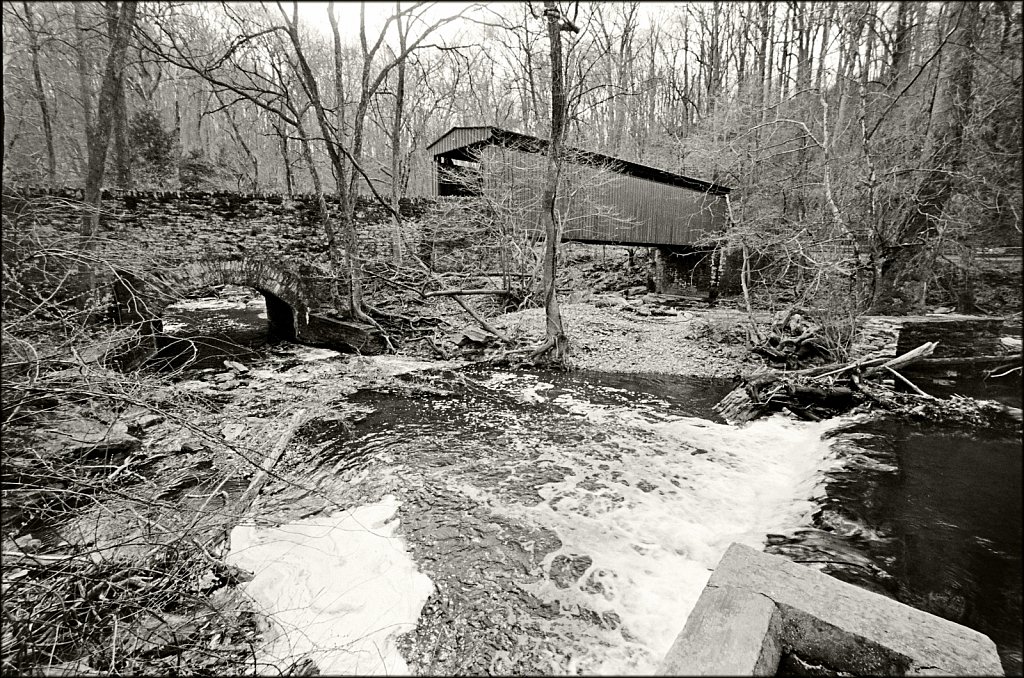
(908, 358)
(483, 323)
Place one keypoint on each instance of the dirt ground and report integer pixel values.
(613, 334)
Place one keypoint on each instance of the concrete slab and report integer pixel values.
(822, 619)
(731, 632)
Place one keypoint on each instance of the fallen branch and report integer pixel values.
(913, 387)
(270, 462)
(483, 323)
(459, 293)
(908, 358)
(1007, 360)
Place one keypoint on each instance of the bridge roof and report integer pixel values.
(458, 140)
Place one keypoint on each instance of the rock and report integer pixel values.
(237, 366)
(149, 420)
(634, 291)
(89, 435)
(566, 570)
(184, 445)
(611, 300)
(471, 335)
(645, 486)
(28, 544)
(232, 431)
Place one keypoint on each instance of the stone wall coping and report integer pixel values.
(75, 191)
(757, 605)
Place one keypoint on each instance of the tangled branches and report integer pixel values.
(106, 562)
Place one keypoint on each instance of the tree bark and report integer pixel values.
(40, 94)
(901, 285)
(98, 139)
(122, 153)
(396, 139)
(555, 343)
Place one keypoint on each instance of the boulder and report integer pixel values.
(90, 435)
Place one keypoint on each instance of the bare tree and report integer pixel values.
(40, 93)
(555, 343)
(98, 133)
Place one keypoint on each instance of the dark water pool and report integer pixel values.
(932, 518)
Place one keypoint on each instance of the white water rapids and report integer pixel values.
(338, 589)
(653, 506)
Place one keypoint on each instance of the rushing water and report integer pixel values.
(567, 523)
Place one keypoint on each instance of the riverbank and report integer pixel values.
(613, 334)
(162, 462)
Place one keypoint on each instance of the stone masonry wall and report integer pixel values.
(220, 224)
(187, 227)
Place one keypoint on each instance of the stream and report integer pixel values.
(535, 522)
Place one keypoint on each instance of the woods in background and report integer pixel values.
(873, 147)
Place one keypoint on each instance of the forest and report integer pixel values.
(891, 129)
(872, 152)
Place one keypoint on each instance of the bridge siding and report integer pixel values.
(457, 137)
(606, 206)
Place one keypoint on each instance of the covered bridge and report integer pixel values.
(616, 202)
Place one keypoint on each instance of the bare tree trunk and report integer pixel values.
(826, 27)
(40, 94)
(900, 60)
(236, 133)
(555, 343)
(286, 160)
(321, 202)
(313, 91)
(84, 84)
(396, 139)
(99, 136)
(122, 154)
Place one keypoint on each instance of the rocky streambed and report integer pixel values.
(565, 523)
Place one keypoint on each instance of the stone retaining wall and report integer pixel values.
(199, 225)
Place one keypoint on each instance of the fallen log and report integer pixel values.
(908, 358)
(456, 293)
(974, 360)
(226, 520)
(270, 461)
(483, 323)
(822, 397)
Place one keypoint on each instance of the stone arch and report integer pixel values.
(287, 307)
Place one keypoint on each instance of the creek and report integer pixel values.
(502, 522)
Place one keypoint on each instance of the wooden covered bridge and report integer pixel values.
(608, 200)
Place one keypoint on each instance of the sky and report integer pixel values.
(315, 13)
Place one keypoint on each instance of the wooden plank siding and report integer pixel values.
(603, 200)
(459, 137)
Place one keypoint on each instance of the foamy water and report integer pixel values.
(652, 498)
(338, 590)
(663, 512)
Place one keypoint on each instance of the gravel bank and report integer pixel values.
(610, 334)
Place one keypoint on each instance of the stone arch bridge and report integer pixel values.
(164, 245)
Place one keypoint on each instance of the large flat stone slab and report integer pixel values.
(731, 632)
(818, 617)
